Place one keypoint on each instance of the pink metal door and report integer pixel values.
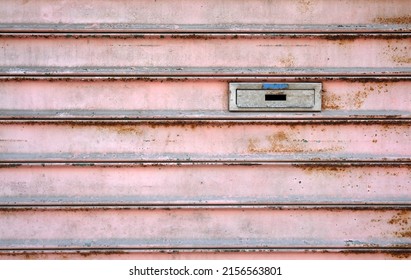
(116, 140)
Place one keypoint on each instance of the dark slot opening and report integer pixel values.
(275, 97)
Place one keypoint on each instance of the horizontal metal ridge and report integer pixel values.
(208, 35)
(202, 71)
(242, 78)
(209, 122)
(119, 251)
(202, 28)
(302, 207)
(346, 163)
(18, 159)
(146, 115)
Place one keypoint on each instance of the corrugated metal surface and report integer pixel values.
(116, 140)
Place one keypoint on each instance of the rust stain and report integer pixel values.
(288, 61)
(353, 101)
(278, 142)
(399, 55)
(128, 129)
(342, 39)
(282, 142)
(359, 98)
(393, 20)
(405, 234)
(397, 254)
(400, 254)
(322, 168)
(305, 6)
(331, 101)
(67, 254)
(401, 59)
(11, 165)
(402, 219)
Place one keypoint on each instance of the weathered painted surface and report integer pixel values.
(205, 184)
(203, 228)
(232, 52)
(213, 12)
(123, 145)
(202, 98)
(205, 141)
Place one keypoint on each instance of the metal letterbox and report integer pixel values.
(275, 97)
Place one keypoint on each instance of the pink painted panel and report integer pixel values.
(182, 98)
(205, 184)
(204, 141)
(204, 228)
(206, 12)
(314, 200)
(231, 52)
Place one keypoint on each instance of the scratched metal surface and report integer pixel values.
(123, 147)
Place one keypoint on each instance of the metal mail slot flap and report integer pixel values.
(275, 97)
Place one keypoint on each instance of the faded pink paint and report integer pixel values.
(214, 141)
(150, 52)
(200, 228)
(180, 12)
(303, 196)
(205, 184)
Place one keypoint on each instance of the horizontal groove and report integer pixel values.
(114, 250)
(319, 117)
(208, 35)
(202, 71)
(203, 122)
(113, 78)
(16, 163)
(202, 28)
(195, 163)
(97, 207)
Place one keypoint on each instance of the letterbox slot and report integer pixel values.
(275, 97)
